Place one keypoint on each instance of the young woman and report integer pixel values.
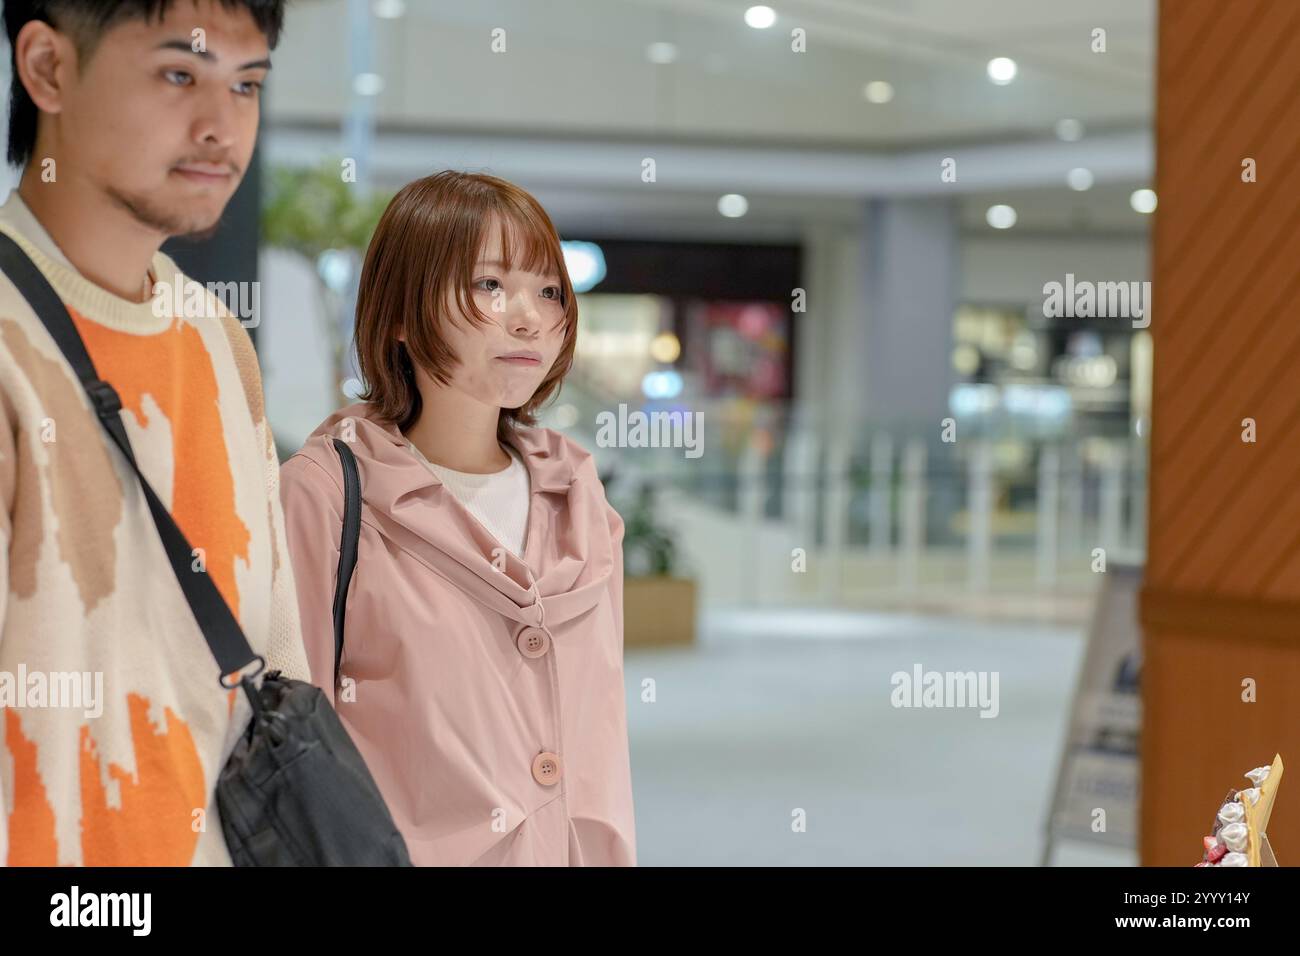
(482, 668)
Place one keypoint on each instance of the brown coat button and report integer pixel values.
(533, 642)
(546, 768)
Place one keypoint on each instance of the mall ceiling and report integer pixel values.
(584, 67)
(575, 99)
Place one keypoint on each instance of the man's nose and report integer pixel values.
(215, 123)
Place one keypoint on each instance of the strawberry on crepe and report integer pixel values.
(1241, 825)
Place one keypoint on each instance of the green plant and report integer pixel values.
(312, 210)
(648, 548)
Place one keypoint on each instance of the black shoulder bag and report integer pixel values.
(348, 541)
(295, 790)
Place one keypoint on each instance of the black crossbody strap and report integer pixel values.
(220, 629)
(348, 541)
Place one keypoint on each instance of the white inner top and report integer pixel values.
(499, 501)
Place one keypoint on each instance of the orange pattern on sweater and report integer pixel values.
(153, 822)
(174, 368)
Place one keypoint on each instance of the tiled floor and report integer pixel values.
(775, 711)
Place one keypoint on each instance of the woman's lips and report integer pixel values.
(519, 360)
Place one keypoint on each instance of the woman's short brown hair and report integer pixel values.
(425, 246)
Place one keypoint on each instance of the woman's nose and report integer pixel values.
(524, 314)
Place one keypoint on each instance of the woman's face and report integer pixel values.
(503, 361)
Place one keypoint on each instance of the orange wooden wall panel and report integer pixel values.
(1224, 516)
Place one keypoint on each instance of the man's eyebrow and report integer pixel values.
(185, 46)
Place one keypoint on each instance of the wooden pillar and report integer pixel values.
(1221, 600)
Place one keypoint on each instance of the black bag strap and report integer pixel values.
(348, 542)
(220, 629)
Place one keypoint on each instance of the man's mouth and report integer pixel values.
(208, 173)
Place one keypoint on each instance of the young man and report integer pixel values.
(133, 122)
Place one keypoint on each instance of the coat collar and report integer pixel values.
(406, 501)
(551, 467)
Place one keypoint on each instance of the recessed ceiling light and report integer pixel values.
(1143, 201)
(760, 17)
(1070, 130)
(878, 91)
(1000, 217)
(661, 52)
(1080, 179)
(733, 205)
(1002, 70)
(367, 84)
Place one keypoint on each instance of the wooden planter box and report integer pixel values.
(658, 611)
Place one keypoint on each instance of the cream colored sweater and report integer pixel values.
(114, 724)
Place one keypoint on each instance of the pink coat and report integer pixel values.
(488, 704)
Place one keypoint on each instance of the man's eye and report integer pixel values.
(251, 87)
(185, 78)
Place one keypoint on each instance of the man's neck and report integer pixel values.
(101, 240)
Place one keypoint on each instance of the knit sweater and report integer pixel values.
(113, 724)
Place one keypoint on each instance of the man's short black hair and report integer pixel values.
(86, 21)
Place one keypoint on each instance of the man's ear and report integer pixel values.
(46, 60)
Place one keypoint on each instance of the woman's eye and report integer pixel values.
(488, 285)
(552, 292)
(170, 74)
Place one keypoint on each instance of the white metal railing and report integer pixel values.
(896, 502)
